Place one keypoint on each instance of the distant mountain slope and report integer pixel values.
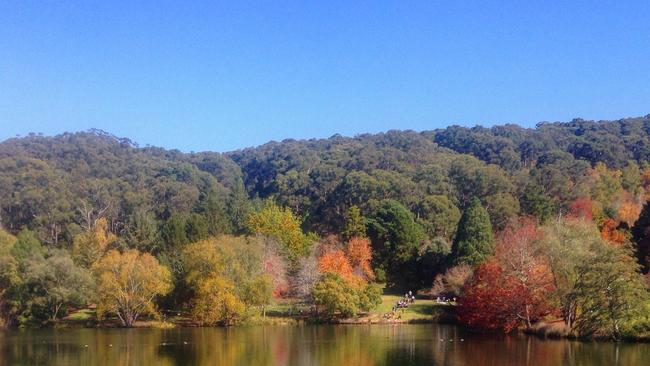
(53, 184)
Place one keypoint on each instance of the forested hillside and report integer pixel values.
(54, 184)
(405, 191)
(512, 170)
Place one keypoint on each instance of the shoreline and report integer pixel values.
(285, 314)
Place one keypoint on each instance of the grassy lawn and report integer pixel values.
(290, 311)
(420, 310)
(81, 315)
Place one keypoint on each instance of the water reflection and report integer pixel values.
(308, 345)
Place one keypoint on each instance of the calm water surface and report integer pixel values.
(306, 345)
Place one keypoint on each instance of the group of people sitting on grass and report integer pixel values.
(404, 303)
(445, 300)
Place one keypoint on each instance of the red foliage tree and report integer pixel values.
(275, 267)
(512, 288)
(486, 301)
(582, 208)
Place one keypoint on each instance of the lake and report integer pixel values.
(326, 345)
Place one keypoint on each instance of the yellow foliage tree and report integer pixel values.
(128, 283)
(216, 302)
(281, 224)
(89, 246)
(202, 260)
(227, 276)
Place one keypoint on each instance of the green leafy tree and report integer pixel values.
(641, 236)
(27, 246)
(369, 297)
(213, 210)
(396, 239)
(631, 177)
(567, 245)
(258, 292)
(610, 293)
(142, 233)
(502, 208)
(336, 296)
(54, 284)
(197, 227)
(9, 279)
(535, 203)
(439, 216)
(355, 225)
(174, 232)
(474, 240)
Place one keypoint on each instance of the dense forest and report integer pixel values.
(439, 211)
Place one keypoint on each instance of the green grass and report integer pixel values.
(421, 310)
(288, 311)
(81, 315)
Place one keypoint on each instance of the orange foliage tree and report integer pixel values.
(513, 286)
(610, 233)
(335, 261)
(360, 255)
(629, 211)
(352, 264)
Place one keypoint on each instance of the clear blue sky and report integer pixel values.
(205, 76)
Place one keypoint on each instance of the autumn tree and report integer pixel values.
(306, 276)
(128, 284)
(275, 267)
(335, 295)
(452, 281)
(336, 261)
(609, 231)
(474, 239)
(513, 288)
(216, 302)
(582, 208)
(486, 302)
(359, 252)
(519, 254)
(227, 276)
(90, 246)
(281, 224)
(628, 210)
